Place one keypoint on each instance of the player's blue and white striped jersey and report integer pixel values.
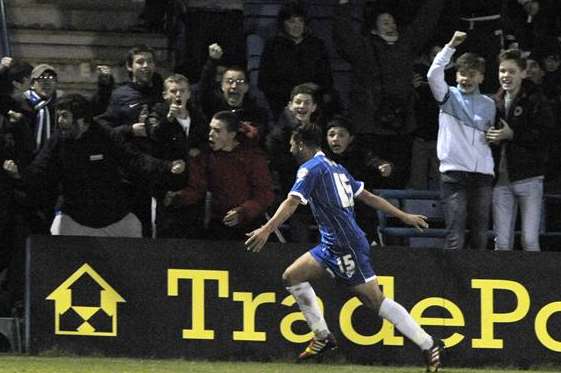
(330, 189)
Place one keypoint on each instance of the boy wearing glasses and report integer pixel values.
(39, 99)
(38, 108)
(231, 95)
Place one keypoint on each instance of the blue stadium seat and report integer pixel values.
(425, 202)
(428, 203)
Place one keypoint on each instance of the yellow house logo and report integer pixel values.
(85, 304)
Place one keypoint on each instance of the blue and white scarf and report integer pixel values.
(42, 125)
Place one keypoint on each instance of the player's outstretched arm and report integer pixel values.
(379, 203)
(258, 238)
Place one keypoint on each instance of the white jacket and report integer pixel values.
(463, 120)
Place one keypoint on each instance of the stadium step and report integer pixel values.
(93, 15)
(90, 15)
(75, 54)
(76, 35)
(109, 46)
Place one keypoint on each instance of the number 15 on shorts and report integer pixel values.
(346, 265)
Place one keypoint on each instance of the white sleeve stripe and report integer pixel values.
(303, 200)
(360, 189)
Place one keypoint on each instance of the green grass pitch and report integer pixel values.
(32, 364)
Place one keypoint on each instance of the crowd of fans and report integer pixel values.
(162, 158)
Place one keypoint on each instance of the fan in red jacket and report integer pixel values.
(235, 173)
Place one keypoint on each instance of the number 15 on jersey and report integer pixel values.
(344, 190)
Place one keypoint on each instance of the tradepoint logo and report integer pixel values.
(86, 305)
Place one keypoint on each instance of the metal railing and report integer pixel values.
(4, 40)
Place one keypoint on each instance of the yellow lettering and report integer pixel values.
(291, 318)
(198, 278)
(489, 317)
(540, 326)
(386, 334)
(456, 317)
(250, 305)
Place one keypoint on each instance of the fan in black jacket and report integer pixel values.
(293, 56)
(89, 160)
(520, 138)
(178, 130)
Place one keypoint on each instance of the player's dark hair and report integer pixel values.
(470, 61)
(514, 55)
(230, 119)
(309, 134)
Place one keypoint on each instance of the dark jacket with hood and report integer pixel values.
(382, 72)
(531, 118)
